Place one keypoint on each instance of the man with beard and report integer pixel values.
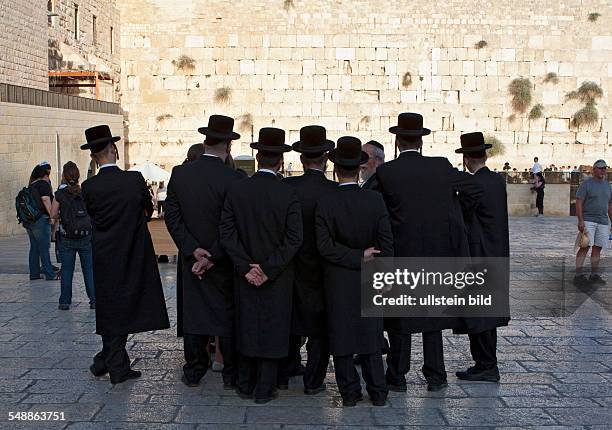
(196, 193)
(129, 295)
(261, 230)
(376, 157)
(426, 219)
(308, 316)
(487, 224)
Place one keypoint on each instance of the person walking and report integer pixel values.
(427, 221)
(196, 193)
(74, 234)
(129, 294)
(39, 231)
(538, 186)
(593, 210)
(261, 231)
(488, 236)
(344, 240)
(308, 317)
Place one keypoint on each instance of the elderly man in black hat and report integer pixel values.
(426, 219)
(261, 230)
(196, 193)
(129, 295)
(376, 157)
(308, 316)
(487, 225)
(344, 240)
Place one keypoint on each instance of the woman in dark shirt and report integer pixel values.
(39, 232)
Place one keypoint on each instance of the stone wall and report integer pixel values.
(23, 43)
(86, 51)
(28, 136)
(344, 65)
(521, 200)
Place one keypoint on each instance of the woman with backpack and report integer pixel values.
(36, 201)
(75, 231)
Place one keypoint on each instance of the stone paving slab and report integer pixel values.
(556, 372)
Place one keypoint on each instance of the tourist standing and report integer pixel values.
(593, 210)
(538, 187)
(196, 193)
(161, 199)
(344, 240)
(426, 219)
(488, 236)
(129, 294)
(537, 167)
(73, 235)
(308, 315)
(39, 231)
(261, 230)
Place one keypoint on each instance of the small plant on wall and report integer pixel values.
(184, 62)
(536, 112)
(594, 16)
(481, 44)
(588, 93)
(163, 117)
(520, 90)
(223, 95)
(407, 80)
(288, 4)
(586, 116)
(551, 78)
(498, 147)
(245, 122)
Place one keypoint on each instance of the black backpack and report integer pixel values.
(26, 205)
(74, 219)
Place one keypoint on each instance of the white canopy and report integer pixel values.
(152, 172)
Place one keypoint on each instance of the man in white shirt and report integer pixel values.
(536, 166)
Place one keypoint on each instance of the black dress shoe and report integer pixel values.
(472, 374)
(243, 395)
(352, 401)
(283, 386)
(379, 402)
(313, 391)
(189, 382)
(229, 386)
(97, 372)
(63, 307)
(264, 400)
(397, 388)
(132, 374)
(436, 387)
(297, 371)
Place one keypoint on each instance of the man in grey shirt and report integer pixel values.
(593, 208)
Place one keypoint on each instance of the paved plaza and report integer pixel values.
(556, 372)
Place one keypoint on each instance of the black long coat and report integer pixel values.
(308, 316)
(426, 217)
(129, 295)
(262, 224)
(194, 203)
(348, 221)
(488, 235)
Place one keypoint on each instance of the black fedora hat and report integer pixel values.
(98, 138)
(410, 124)
(313, 141)
(472, 142)
(348, 152)
(220, 127)
(271, 140)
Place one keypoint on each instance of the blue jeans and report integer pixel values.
(68, 251)
(39, 234)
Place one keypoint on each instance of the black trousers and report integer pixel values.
(373, 373)
(483, 347)
(113, 358)
(290, 365)
(258, 376)
(540, 201)
(398, 358)
(317, 362)
(197, 359)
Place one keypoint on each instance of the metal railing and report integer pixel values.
(35, 97)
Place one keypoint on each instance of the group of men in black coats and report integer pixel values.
(268, 261)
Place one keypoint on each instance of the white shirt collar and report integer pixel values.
(62, 186)
(409, 150)
(347, 183)
(267, 171)
(318, 170)
(211, 155)
(108, 165)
